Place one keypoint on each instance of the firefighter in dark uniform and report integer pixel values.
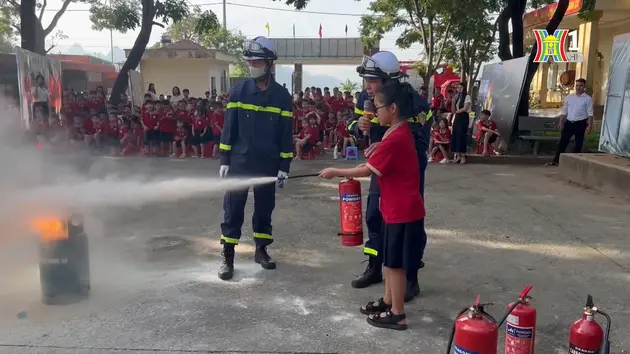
(375, 70)
(256, 142)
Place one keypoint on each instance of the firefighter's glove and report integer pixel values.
(223, 171)
(282, 178)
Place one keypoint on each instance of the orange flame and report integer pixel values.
(50, 229)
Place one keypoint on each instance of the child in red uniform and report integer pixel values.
(440, 140)
(167, 130)
(395, 162)
(95, 129)
(307, 138)
(487, 133)
(217, 120)
(181, 133)
(199, 135)
(113, 133)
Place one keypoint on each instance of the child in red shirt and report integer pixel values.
(181, 133)
(217, 120)
(200, 135)
(440, 140)
(307, 138)
(395, 162)
(487, 133)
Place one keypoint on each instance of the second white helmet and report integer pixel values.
(382, 65)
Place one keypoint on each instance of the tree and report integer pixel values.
(126, 15)
(425, 21)
(473, 40)
(36, 36)
(187, 27)
(349, 86)
(216, 38)
(7, 35)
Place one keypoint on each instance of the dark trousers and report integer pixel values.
(234, 215)
(374, 221)
(569, 130)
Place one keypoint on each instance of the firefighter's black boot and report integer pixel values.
(373, 275)
(226, 270)
(263, 258)
(413, 288)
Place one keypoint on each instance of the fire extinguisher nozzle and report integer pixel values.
(589, 301)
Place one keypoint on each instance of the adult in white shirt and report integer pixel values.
(575, 120)
(177, 96)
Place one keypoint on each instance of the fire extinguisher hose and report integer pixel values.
(606, 344)
(480, 310)
(452, 336)
(509, 311)
(299, 176)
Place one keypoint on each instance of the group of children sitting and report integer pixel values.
(487, 136)
(158, 128)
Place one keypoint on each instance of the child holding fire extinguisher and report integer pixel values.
(395, 162)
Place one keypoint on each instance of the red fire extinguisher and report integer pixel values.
(586, 335)
(474, 331)
(350, 212)
(520, 330)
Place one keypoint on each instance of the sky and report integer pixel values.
(250, 17)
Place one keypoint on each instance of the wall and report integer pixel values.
(193, 74)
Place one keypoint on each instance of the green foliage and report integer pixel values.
(587, 12)
(349, 86)
(7, 35)
(428, 22)
(298, 4)
(239, 69)
(127, 15)
(473, 40)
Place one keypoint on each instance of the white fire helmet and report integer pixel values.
(259, 48)
(382, 65)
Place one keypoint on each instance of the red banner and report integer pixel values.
(545, 14)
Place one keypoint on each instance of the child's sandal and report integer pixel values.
(389, 321)
(373, 307)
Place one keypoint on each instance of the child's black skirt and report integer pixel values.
(403, 245)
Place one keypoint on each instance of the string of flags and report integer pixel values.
(320, 32)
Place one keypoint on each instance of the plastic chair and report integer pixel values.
(352, 153)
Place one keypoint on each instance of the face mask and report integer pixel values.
(256, 72)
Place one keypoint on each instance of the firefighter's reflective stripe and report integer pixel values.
(225, 147)
(263, 236)
(251, 107)
(286, 155)
(410, 120)
(358, 111)
(229, 240)
(370, 251)
(352, 124)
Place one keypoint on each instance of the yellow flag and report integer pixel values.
(268, 29)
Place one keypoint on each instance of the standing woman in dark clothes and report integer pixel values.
(461, 122)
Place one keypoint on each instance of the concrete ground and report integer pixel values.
(492, 230)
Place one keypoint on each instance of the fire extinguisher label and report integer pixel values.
(351, 218)
(518, 339)
(350, 198)
(460, 350)
(577, 350)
